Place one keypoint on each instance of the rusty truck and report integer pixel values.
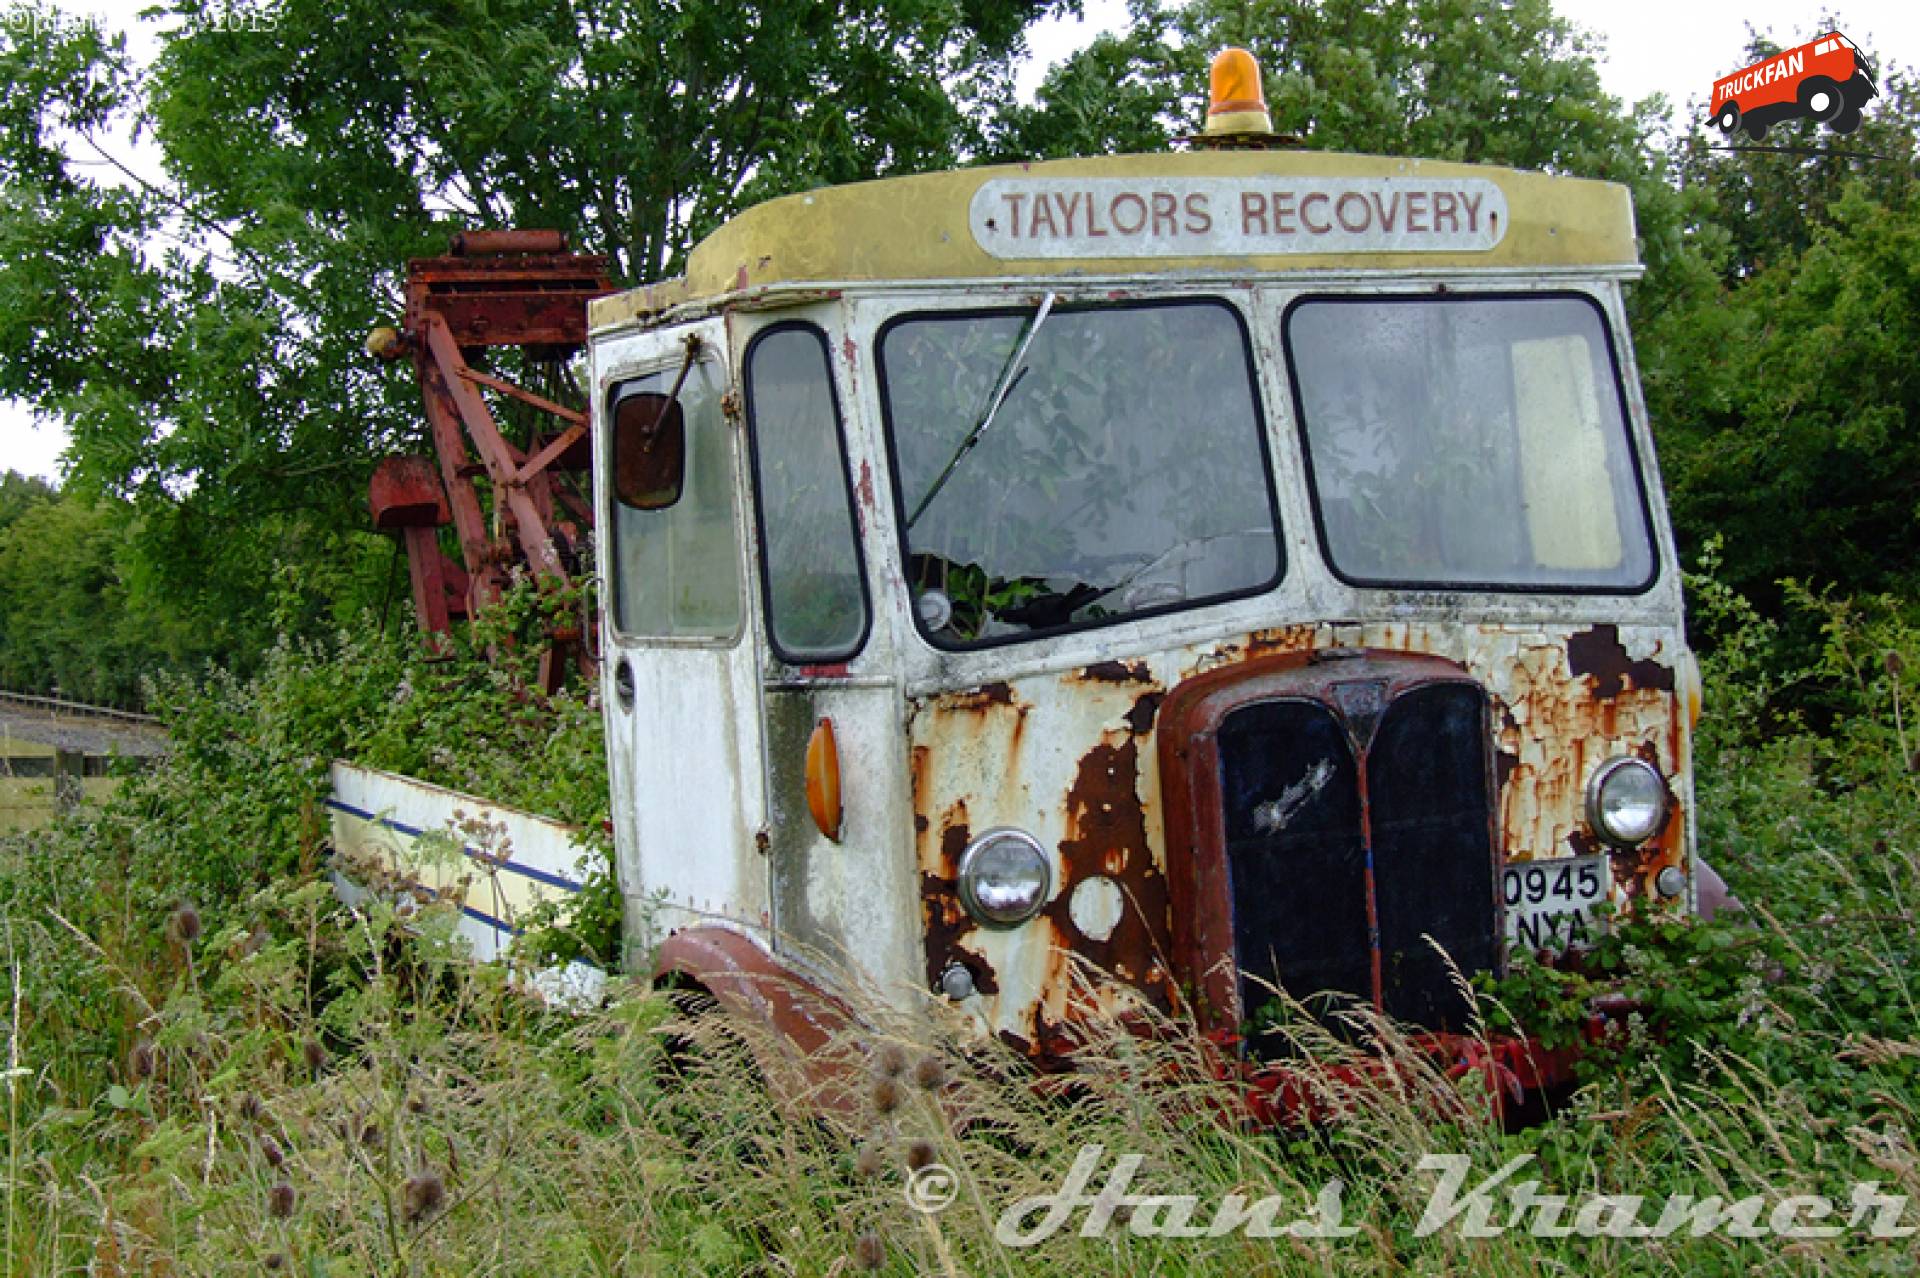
(1133, 584)
(1229, 570)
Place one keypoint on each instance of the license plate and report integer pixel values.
(1550, 904)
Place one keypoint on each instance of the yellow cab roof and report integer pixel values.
(1196, 212)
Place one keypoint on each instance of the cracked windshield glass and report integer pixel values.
(1062, 467)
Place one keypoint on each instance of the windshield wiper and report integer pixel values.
(1009, 378)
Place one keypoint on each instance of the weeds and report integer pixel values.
(266, 1081)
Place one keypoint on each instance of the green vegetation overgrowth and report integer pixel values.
(216, 1068)
(199, 334)
(213, 1067)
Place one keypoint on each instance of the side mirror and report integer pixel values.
(649, 451)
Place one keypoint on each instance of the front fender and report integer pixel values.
(807, 1049)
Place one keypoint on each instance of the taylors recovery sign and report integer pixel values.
(1226, 217)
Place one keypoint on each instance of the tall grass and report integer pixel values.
(430, 1120)
(339, 1096)
(265, 1081)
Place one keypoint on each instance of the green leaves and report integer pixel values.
(199, 328)
(1444, 79)
(1794, 395)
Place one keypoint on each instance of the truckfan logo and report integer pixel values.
(1827, 80)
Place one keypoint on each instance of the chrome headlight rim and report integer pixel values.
(1596, 794)
(988, 916)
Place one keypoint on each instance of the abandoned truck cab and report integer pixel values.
(1140, 581)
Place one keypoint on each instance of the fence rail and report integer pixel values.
(75, 708)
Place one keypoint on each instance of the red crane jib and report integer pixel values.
(517, 288)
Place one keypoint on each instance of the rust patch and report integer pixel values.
(1053, 1041)
(1558, 729)
(1598, 652)
(1145, 709)
(1107, 835)
(1116, 672)
(1262, 643)
(1103, 805)
(1504, 762)
(992, 694)
(917, 764)
(751, 983)
(946, 920)
(954, 837)
(947, 923)
(866, 484)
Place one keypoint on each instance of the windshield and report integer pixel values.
(1460, 441)
(1114, 466)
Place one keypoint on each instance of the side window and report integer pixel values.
(676, 555)
(816, 601)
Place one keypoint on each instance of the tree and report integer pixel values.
(1769, 203)
(1779, 380)
(1441, 79)
(201, 335)
(19, 494)
(1468, 80)
(57, 584)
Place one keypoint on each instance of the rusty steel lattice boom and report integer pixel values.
(518, 288)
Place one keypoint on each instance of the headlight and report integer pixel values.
(1004, 878)
(1626, 801)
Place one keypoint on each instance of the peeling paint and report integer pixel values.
(1073, 758)
(1145, 708)
(1097, 905)
(1116, 672)
(981, 698)
(1598, 653)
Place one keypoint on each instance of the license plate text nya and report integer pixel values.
(1550, 904)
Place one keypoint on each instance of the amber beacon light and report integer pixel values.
(1236, 100)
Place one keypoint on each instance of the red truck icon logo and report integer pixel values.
(1827, 80)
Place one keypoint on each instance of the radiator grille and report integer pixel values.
(1299, 802)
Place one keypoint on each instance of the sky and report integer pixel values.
(1650, 46)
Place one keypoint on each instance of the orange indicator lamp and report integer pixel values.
(823, 779)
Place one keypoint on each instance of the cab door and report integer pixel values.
(680, 684)
(843, 893)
